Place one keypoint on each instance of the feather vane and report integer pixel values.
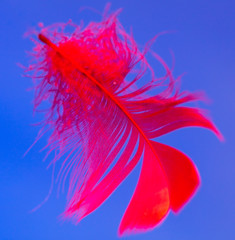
(103, 125)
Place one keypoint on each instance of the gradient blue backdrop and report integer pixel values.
(204, 47)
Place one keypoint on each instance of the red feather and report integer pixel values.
(102, 125)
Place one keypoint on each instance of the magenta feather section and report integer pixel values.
(102, 125)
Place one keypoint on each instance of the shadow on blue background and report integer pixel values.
(203, 47)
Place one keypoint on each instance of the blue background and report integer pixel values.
(204, 48)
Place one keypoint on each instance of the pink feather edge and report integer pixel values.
(102, 126)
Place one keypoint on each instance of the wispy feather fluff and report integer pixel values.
(102, 123)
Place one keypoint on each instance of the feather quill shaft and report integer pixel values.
(111, 96)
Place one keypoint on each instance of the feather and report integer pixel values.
(103, 122)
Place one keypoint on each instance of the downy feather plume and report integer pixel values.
(102, 124)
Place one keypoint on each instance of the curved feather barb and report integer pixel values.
(103, 124)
